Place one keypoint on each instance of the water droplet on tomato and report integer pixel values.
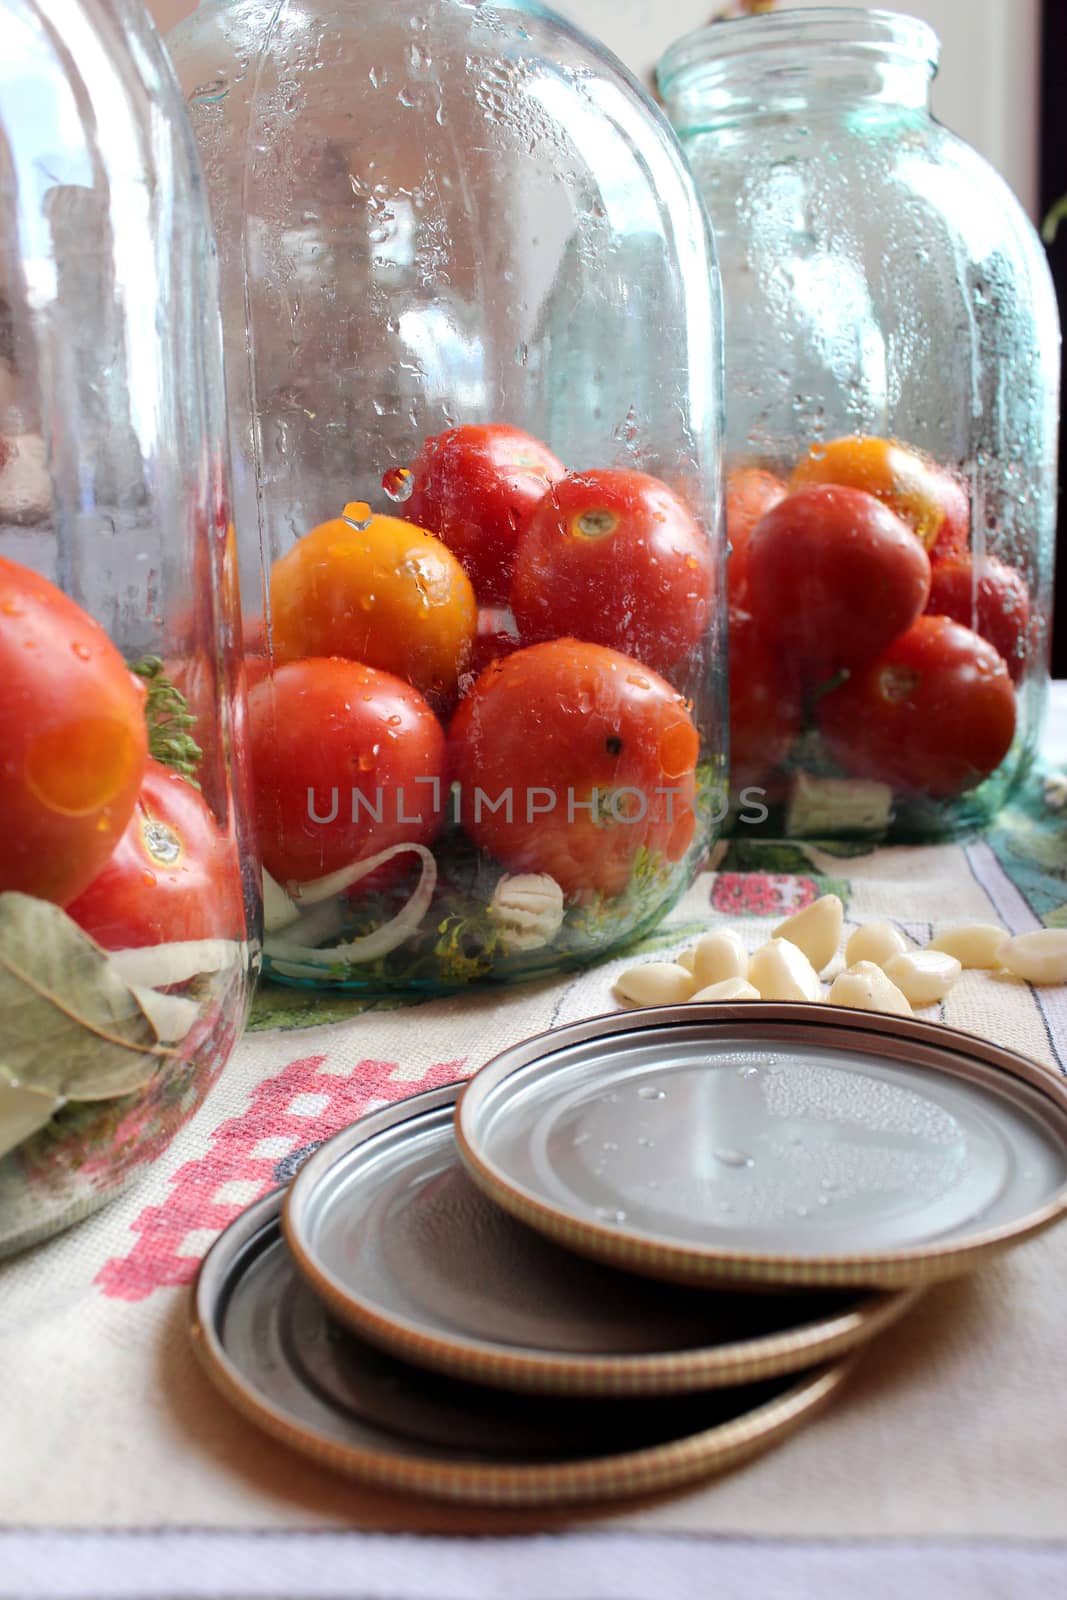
(82, 651)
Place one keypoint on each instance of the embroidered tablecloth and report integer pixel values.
(940, 1469)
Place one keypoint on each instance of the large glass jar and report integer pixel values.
(128, 896)
(891, 383)
(474, 378)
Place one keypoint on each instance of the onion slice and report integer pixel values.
(296, 959)
(157, 966)
(279, 911)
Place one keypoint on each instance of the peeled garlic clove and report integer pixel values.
(874, 941)
(728, 989)
(656, 983)
(780, 970)
(687, 958)
(527, 907)
(816, 930)
(923, 976)
(1039, 957)
(975, 944)
(865, 987)
(718, 956)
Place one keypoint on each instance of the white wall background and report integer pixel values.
(987, 89)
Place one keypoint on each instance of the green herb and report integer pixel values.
(170, 722)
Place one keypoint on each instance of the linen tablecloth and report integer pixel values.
(940, 1469)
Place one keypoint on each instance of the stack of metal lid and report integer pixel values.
(629, 1252)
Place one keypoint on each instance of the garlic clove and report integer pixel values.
(874, 941)
(975, 944)
(865, 987)
(923, 976)
(1039, 957)
(728, 989)
(718, 956)
(656, 983)
(816, 930)
(780, 970)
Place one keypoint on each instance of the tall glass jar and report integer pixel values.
(128, 895)
(474, 374)
(891, 392)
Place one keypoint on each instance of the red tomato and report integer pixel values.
(935, 714)
(587, 758)
(474, 487)
(173, 875)
(923, 494)
(750, 491)
(73, 740)
(615, 557)
(346, 761)
(997, 604)
(766, 714)
(833, 576)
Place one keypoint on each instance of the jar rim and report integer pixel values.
(769, 39)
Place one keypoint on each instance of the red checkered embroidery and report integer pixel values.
(290, 1115)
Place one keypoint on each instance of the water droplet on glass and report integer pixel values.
(645, 1142)
(580, 1139)
(748, 1072)
(733, 1158)
(357, 514)
(610, 1214)
(649, 1091)
(801, 1211)
(609, 1144)
(398, 483)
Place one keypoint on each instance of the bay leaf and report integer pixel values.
(69, 1025)
(22, 1112)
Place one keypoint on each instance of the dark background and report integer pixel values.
(1053, 186)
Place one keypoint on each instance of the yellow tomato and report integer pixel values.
(920, 491)
(378, 590)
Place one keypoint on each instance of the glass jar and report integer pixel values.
(474, 374)
(891, 379)
(128, 896)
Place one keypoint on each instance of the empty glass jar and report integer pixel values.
(891, 392)
(474, 379)
(128, 895)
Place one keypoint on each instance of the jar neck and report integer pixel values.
(797, 63)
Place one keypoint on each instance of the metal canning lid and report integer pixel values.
(389, 1231)
(772, 1144)
(272, 1349)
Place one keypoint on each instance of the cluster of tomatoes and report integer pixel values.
(855, 603)
(88, 819)
(510, 655)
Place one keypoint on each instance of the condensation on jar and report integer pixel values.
(892, 371)
(475, 389)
